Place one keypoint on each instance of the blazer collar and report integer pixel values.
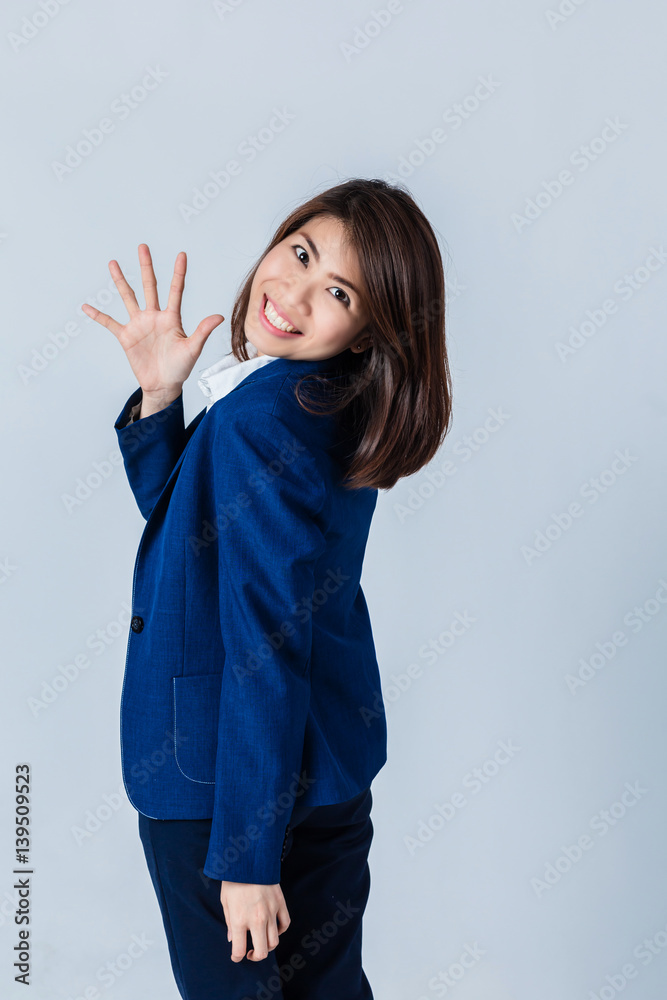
(288, 366)
(221, 377)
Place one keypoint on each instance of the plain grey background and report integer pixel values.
(519, 822)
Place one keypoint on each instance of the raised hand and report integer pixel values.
(159, 351)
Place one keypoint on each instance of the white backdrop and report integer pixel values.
(517, 586)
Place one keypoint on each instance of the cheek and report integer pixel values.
(333, 324)
(272, 266)
(335, 318)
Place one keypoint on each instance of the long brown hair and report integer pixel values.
(396, 396)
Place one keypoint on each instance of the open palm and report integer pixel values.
(159, 351)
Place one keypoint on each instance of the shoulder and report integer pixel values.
(259, 444)
(269, 399)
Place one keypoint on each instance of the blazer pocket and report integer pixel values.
(196, 712)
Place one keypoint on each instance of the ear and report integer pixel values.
(362, 341)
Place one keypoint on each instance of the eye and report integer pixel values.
(295, 246)
(346, 298)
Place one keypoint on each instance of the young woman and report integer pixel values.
(252, 719)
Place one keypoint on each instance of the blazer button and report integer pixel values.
(137, 623)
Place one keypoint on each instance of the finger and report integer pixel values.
(225, 914)
(204, 330)
(272, 934)
(239, 942)
(148, 277)
(177, 283)
(284, 919)
(102, 318)
(126, 293)
(259, 950)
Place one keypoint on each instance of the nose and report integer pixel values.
(296, 298)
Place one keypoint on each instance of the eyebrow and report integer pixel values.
(336, 277)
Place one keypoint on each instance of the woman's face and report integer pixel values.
(309, 282)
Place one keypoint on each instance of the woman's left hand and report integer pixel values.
(260, 909)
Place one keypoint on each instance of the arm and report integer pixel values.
(134, 414)
(161, 357)
(266, 559)
(151, 446)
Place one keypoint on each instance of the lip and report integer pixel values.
(269, 326)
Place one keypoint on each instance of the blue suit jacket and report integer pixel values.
(251, 681)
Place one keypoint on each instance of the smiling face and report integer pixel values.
(310, 282)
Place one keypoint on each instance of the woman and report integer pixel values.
(252, 720)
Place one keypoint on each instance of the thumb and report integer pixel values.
(204, 330)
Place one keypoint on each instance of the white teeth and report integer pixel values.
(277, 320)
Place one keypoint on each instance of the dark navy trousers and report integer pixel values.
(325, 880)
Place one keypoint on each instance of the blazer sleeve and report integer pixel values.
(268, 481)
(151, 447)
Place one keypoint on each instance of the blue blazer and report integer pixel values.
(251, 681)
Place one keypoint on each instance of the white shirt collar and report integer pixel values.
(223, 376)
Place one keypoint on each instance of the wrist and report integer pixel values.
(158, 399)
